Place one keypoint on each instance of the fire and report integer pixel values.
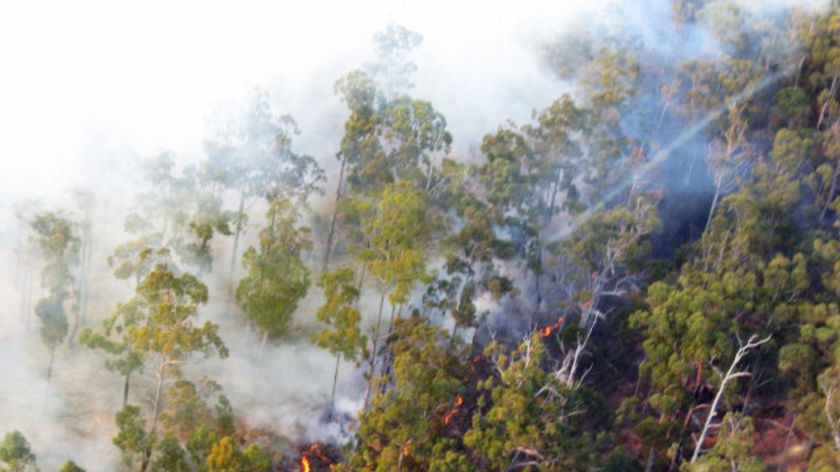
(458, 401)
(315, 457)
(546, 332)
(406, 449)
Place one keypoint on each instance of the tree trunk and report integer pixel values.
(26, 294)
(730, 374)
(234, 253)
(50, 365)
(147, 454)
(80, 318)
(831, 192)
(125, 388)
(263, 343)
(714, 205)
(372, 359)
(331, 232)
(331, 412)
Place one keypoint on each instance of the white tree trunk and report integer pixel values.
(730, 374)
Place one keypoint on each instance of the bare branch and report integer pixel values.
(743, 349)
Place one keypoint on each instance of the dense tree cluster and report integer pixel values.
(645, 276)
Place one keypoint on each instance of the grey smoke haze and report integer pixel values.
(89, 87)
(84, 81)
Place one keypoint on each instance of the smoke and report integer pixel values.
(91, 87)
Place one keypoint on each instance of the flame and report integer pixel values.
(406, 449)
(318, 454)
(546, 332)
(458, 401)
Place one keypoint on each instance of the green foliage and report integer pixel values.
(407, 423)
(54, 326)
(190, 427)
(162, 332)
(187, 410)
(226, 456)
(396, 234)
(170, 456)
(70, 466)
(570, 201)
(415, 132)
(15, 455)
(113, 337)
(132, 438)
(251, 152)
(392, 68)
(277, 276)
(732, 449)
(344, 336)
(168, 305)
(528, 417)
(56, 238)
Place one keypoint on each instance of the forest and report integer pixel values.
(644, 276)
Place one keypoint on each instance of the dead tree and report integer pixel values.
(731, 374)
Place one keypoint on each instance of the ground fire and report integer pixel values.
(545, 332)
(458, 401)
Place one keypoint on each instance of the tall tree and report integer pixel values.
(166, 337)
(55, 236)
(405, 427)
(277, 275)
(15, 454)
(528, 417)
(343, 337)
(251, 153)
(395, 254)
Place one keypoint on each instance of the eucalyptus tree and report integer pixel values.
(393, 67)
(164, 336)
(529, 176)
(56, 238)
(388, 136)
(85, 200)
(132, 261)
(16, 454)
(251, 154)
(359, 145)
(278, 277)
(395, 255)
(528, 417)
(343, 335)
(122, 359)
(407, 426)
(174, 212)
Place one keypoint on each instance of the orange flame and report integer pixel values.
(406, 450)
(458, 401)
(545, 332)
(304, 462)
